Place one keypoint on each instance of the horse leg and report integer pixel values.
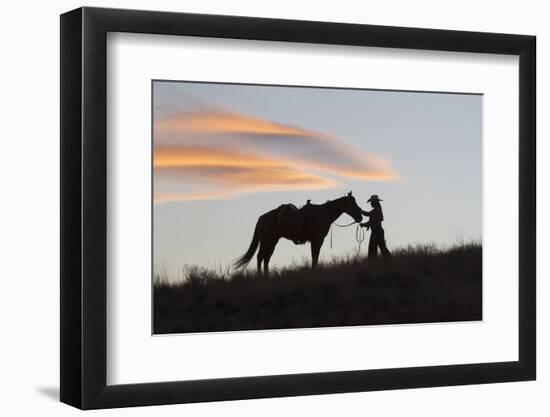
(315, 249)
(266, 264)
(268, 253)
(260, 257)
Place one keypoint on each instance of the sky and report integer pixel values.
(224, 154)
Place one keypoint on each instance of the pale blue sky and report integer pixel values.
(433, 141)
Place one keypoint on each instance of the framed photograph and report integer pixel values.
(257, 208)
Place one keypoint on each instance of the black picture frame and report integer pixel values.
(84, 207)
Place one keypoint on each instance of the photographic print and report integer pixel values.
(284, 207)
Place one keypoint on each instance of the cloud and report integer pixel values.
(225, 122)
(214, 153)
(219, 173)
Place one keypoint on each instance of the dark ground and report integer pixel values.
(416, 285)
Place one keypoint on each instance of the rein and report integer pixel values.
(359, 235)
(344, 225)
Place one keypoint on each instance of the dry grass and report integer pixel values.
(418, 284)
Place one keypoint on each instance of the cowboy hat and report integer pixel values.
(374, 197)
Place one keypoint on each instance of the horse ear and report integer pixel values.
(349, 194)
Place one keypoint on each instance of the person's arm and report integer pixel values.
(367, 223)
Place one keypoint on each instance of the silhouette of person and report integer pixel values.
(377, 239)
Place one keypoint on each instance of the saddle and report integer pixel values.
(291, 222)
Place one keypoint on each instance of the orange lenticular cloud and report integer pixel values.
(227, 122)
(177, 156)
(224, 174)
(217, 154)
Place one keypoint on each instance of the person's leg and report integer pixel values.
(382, 244)
(373, 248)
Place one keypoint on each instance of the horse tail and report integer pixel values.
(245, 259)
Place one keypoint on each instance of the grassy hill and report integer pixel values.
(418, 284)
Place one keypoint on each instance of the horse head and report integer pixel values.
(351, 208)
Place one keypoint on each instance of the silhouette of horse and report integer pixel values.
(313, 225)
